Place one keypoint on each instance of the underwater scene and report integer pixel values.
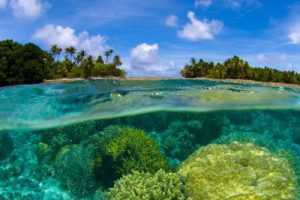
(149, 140)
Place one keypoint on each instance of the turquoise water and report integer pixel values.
(66, 140)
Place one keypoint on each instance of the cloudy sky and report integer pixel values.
(157, 37)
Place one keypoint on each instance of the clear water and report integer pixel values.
(180, 115)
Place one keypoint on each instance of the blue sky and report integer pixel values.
(157, 37)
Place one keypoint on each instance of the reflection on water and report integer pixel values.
(86, 141)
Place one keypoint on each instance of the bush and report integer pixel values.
(120, 150)
(237, 171)
(21, 64)
(145, 186)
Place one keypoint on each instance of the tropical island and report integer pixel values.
(28, 64)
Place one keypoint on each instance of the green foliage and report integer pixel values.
(22, 64)
(237, 171)
(26, 64)
(72, 167)
(81, 65)
(145, 186)
(120, 150)
(6, 145)
(236, 68)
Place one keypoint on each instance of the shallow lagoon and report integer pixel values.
(79, 140)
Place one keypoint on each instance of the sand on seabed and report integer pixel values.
(170, 78)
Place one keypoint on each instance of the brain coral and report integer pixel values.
(237, 172)
(145, 186)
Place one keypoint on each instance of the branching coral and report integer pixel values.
(146, 186)
(72, 167)
(120, 150)
(238, 171)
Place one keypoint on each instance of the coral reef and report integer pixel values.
(145, 186)
(68, 135)
(237, 171)
(262, 140)
(120, 150)
(177, 142)
(72, 167)
(6, 145)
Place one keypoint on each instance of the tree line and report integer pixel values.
(26, 64)
(236, 68)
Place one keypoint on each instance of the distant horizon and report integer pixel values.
(157, 38)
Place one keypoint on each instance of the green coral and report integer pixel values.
(237, 171)
(67, 135)
(72, 167)
(146, 186)
(6, 145)
(120, 150)
(262, 140)
(178, 141)
(41, 151)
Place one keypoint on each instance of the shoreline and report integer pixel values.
(243, 81)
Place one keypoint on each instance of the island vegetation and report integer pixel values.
(26, 64)
(237, 68)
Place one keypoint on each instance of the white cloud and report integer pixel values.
(294, 33)
(31, 9)
(66, 36)
(171, 21)
(204, 3)
(262, 58)
(236, 4)
(2, 4)
(144, 55)
(200, 30)
(289, 67)
(144, 61)
(283, 56)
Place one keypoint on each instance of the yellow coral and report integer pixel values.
(146, 186)
(237, 172)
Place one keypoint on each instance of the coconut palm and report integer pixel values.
(117, 61)
(70, 51)
(107, 54)
(80, 56)
(100, 60)
(55, 51)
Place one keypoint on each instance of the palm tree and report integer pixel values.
(100, 60)
(107, 54)
(55, 51)
(70, 51)
(117, 61)
(80, 56)
(88, 65)
(193, 61)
